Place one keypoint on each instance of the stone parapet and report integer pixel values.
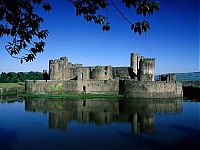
(150, 89)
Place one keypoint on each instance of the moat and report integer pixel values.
(100, 124)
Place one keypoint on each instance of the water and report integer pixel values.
(100, 124)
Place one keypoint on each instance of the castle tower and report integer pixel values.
(134, 62)
(102, 73)
(146, 69)
(58, 69)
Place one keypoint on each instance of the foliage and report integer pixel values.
(55, 88)
(12, 77)
(92, 12)
(19, 21)
(22, 24)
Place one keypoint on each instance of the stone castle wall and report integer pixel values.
(82, 73)
(101, 73)
(122, 72)
(79, 86)
(59, 69)
(150, 89)
(167, 77)
(51, 86)
(100, 86)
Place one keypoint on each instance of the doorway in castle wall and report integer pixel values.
(84, 89)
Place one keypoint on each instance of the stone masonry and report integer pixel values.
(134, 81)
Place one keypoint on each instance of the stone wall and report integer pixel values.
(74, 65)
(128, 88)
(150, 89)
(73, 73)
(72, 86)
(84, 73)
(122, 72)
(100, 86)
(51, 86)
(59, 69)
(167, 77)
(101, 73)
(80, 73)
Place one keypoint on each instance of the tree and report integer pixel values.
(12, 77)
(20, 22)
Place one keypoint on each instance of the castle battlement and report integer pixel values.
(148, 59)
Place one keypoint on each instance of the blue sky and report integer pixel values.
(173, 39)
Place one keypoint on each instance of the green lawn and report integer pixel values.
(11, 88)
(196, 86)
(10, 85)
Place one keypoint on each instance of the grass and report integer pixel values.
(69, 96)
(10, 89)
(10, 85)
(196, 86)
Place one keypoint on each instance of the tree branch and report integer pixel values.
(121, 13)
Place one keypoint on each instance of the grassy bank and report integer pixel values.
(196, 86)
(11, 85)
(69, 96)
(11, 88)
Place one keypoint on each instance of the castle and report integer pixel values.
(141, 69)
(134, 81)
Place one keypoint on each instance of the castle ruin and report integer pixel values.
(134, 81)
(141, 69)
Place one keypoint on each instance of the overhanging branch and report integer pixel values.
(120, 12)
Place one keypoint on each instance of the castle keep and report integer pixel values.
(134, 81)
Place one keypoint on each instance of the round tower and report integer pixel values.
(102, 73)
(134, 62)
(146, 69)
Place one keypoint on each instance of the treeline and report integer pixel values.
(13, 77)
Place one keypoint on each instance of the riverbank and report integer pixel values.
(69, 96)
(11, 88)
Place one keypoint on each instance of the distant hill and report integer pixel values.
(192, 76)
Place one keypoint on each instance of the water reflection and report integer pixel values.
(140, 113)
(12, 97)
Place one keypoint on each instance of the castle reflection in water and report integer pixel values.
(140, 113)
